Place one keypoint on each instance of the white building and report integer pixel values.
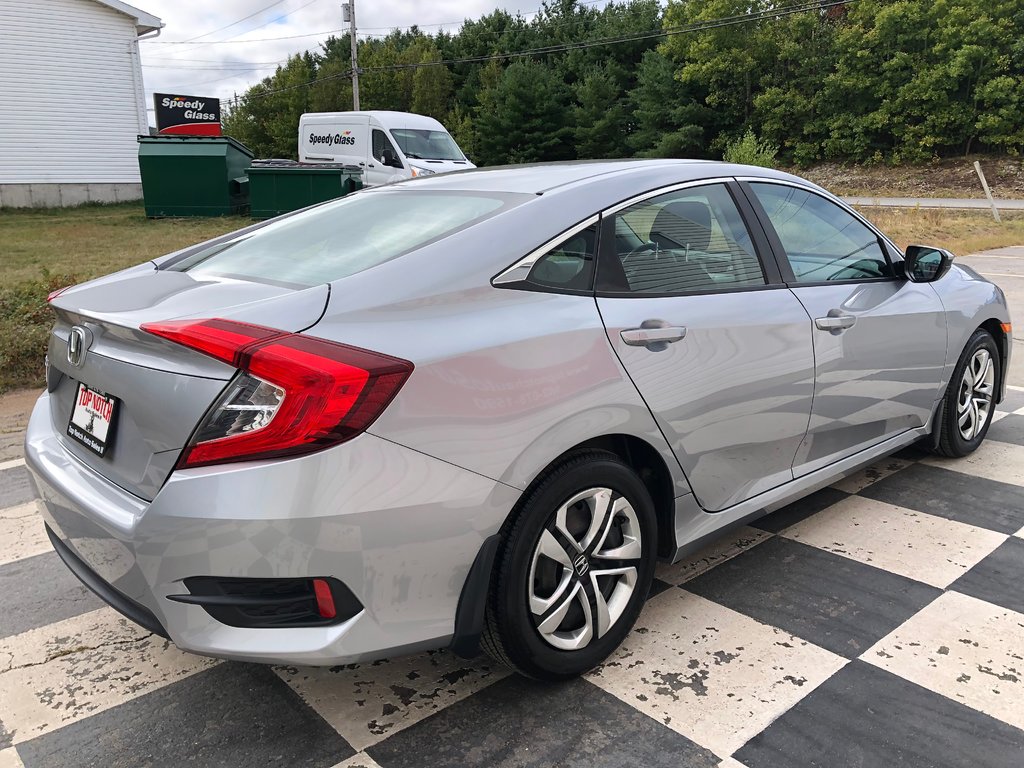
(71, 101)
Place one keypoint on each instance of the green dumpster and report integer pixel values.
(280, 186)
(194, 175)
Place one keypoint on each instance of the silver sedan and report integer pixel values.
(474, 410)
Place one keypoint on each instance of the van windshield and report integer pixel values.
(344, 237)
(426, 144)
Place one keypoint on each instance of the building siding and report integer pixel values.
(71, 96)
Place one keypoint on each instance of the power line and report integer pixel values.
(188, 53)
(332, 31)
(233, 23)
(725, 21)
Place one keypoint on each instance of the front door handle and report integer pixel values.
(835, 321)
(654, 336)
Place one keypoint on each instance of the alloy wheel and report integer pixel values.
(584, 568)
(975, 398)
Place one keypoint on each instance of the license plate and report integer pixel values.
(92, 419)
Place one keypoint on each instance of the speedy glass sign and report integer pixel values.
(187, 115)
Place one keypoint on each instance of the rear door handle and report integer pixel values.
(835, 322)
(645, 337)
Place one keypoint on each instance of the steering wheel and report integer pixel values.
(642, 248)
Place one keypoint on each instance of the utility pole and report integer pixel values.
(349, 15)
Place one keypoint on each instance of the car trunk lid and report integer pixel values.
(161, 389)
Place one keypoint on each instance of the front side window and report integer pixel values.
(822, 241)
(691, 240)
(346, 236)
(381, 143)
(569, 265)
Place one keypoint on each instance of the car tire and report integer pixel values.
(554, 611)
(970, 397)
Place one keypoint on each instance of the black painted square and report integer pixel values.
(1009, 429)
(954, 496)
(40, 590)
(829, 600)
(865, 716)
(227, 716)
(1012, 400)
(999, 578)
(791, 514)
(657, 587)
(15, 487)
(518, 722)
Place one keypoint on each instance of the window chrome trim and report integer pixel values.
(519, 271)
(825, 194)
(664, 191)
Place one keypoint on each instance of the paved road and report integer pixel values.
(935, 202)
(878, 621)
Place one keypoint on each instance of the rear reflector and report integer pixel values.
(296, 395)
(324, 599)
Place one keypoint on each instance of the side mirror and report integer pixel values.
(926, 264)
(388, 157)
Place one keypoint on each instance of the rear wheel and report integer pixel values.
(574, 569)
(970, 397)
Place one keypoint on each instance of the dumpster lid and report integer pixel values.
(144, 139)
(283, 163)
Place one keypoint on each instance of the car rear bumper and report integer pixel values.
(398, 528)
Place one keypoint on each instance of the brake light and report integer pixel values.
(295, 394)
(54, 294)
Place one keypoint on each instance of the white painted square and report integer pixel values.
(712, 674)
(1003, 462)
(9, 758)
(61, 673)
(22, 533)
(913, 544)
(731, 544)
(858, 481)
(963, 648)
(367, 703)
(362, 760)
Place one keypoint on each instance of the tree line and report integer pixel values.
(866, 81)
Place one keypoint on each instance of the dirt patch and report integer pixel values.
(954, 177)
(15, 408)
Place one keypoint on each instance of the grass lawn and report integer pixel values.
(45, 250)
(41, 250)
(94, 240)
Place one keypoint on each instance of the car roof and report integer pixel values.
(540, 178)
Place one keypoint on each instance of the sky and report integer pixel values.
(209, 67)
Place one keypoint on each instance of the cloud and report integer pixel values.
(222, 70)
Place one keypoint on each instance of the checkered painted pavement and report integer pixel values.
(878, 622)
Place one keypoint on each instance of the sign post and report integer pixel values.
(187, 115)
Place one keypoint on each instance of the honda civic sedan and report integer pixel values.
(474, 410)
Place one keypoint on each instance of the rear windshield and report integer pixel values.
(346, 236)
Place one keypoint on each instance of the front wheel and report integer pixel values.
(970, 397)
(574, 569)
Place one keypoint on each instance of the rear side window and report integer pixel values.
(691, 240)
(823, 242)
(347, 236)
(569, 265)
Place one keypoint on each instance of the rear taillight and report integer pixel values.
(294, 394)
(54, 294)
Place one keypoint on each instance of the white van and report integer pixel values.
(388, 146)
